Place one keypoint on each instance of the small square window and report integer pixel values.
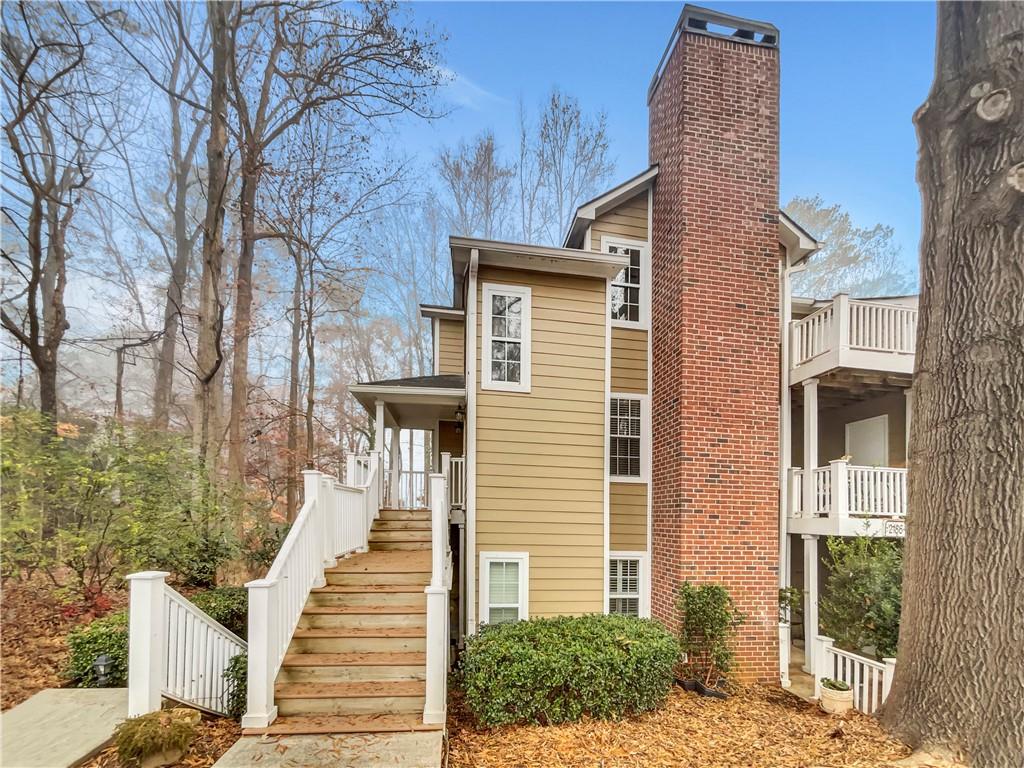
(624, 586)
(503, 586)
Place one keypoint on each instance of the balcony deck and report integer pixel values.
(854, 334)
(849, 501)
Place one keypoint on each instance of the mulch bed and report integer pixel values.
(214, 736)
(33, 630)
(759, 727)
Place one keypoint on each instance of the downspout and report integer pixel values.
(470, 357)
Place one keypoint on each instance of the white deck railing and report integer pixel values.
(438, 616)
(842, 490)
(175, 649)
(869, 680)
(457, 482)
(335, 520)
(409, 490)
(855, 330)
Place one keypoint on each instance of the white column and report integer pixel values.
(908, 396)
(810, 445)
(810, 599)
(260, 710)
(378, 426)
(841, 323)
(822, 648)
(395, 467)
(330, 519)
(840, 484)
(437, 606)
(147, 642)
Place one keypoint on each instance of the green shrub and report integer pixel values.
(236, 677)
(167, 730)
(227, 605)
(263, 542)
(861, 602)
(708, 619)
(108, 635)
(197, 556)
(558, 670)
(834, 685)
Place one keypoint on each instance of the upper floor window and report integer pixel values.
(506, 337)
(629, 289)
(626, 437)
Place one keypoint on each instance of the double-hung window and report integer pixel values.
(504, 580)
(506, 337)
(626, 437)
(629, 288)
(624, 584)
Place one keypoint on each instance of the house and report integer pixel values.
(605, 418)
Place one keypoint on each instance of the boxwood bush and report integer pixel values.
(227, 605)
(557, 670)
(108, 635)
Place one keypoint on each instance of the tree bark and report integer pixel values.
(960, 676)
(292, 470)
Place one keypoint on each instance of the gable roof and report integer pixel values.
(590, 210)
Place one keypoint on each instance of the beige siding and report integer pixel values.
(629, 361)
(629, 220)
(628, 517)
(540, 455)
(451, 346)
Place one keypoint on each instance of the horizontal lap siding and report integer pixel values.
(628, 220)
(628, 517)
(629, 361)
(540, 455)
(451, 347)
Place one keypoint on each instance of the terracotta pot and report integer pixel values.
(835, 702)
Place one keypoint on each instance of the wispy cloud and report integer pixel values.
(465, 93)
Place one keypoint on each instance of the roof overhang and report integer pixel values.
(798, 242)
(410, 407)
(432, 311)
(589, 211)
(536, 258)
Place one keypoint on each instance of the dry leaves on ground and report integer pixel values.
(214, 736)
(759, 727)
(33, 638)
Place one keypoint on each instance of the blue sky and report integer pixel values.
(852, 76)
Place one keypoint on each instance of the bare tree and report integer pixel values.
(857, 260)
(288, 61)
(477, 187)
(58, 119)
(960, 649)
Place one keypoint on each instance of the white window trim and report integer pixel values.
(644, 581)
(523, 558)
(526, 294)
(645, 281)
(645, 436)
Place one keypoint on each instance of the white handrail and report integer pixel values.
(883, 327)
(812, 334)
(869, 680)
(334, 520)
(438, 621)
(869, 491)
(413, 488)
(175, 649)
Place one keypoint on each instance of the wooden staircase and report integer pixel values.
(357, 662)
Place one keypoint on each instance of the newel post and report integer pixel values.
(437, 606)
(887, 675)
(841, 323)
(147, 642)
(350, 471)
(316, 492)
(840, 480)
(262, 664)
(822, 661)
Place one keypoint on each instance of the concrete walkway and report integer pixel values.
(364, 750)
(60, 727)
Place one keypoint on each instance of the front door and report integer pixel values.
(867, 442)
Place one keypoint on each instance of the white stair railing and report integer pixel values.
(175, 649)
(457, 482)
(869, 680)
(438, 623)
(335, 520)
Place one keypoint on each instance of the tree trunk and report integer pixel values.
(210, 356)
(960, 674)
(311, 361)
(243, 318)
(291, 487)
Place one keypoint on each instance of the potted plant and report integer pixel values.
(708, 619)
(836, 696)
(157, 739)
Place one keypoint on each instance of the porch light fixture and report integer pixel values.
(460, 418)
(102, 667)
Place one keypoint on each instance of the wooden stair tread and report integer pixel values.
(425, 510)
(356, 659)
(329, 632)
(392, 561)
(294, 725)
(361, 589)
(339, 610)
(368, 689)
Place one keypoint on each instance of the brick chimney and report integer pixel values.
(714, 133)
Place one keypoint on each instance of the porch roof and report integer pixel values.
(415, 402)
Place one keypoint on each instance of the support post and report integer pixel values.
(378, 426)
(822, 656)
(260, 710)
(887, 675)
(908, 397)
(810, 505)
(437, 606)
(316, 493)
(784, 644)
(840, 480)
(841, 324)
(330, 520)
(147, 642)
(350, 472)
(395, 468)
(810, 600)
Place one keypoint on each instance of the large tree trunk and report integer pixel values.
(243, 318)
(960, 675)
(291, 480)
(210, 355)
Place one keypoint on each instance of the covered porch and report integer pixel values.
(417, 421)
